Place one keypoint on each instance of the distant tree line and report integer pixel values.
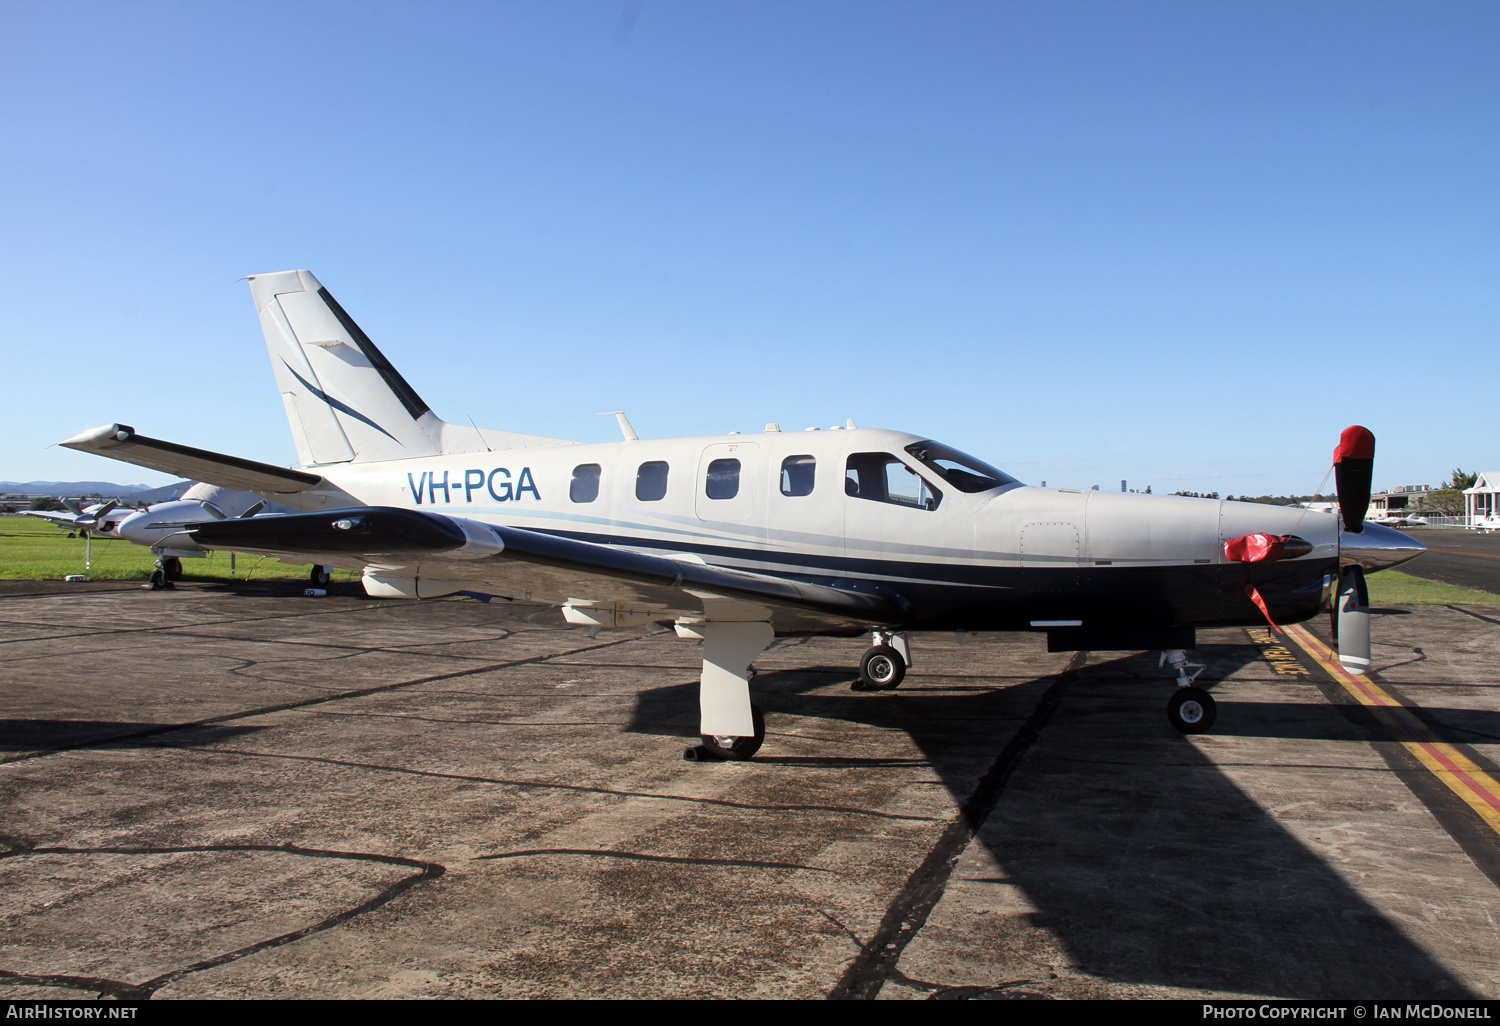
(1280, 500)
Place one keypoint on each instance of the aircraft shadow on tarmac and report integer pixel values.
(1142, 858)
(45, 735)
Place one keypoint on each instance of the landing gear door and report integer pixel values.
(729, 482)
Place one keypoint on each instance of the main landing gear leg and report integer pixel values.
(884, 664)
(1190, 709)
(732, 728)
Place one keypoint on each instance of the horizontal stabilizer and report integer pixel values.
(120, 442)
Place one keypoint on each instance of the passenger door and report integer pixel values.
(730, 483)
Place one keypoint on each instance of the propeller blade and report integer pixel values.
(1353, 612)
(1353, 468)
(253, 510)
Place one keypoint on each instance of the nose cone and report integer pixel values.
(1378, 547)
(163, 524)
(133, 528)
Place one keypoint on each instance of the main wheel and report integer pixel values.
(882, 668)
(319, 576)
(724, 747)
(158, 579)
(1191, 710)
(172, 566)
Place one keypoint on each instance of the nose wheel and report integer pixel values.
(884, 664)
(1191, 710)
(168, 569)
(881, 669)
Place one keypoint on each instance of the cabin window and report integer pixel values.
(881, 477)
(651, 481)
(585, 486)
(797, 475)
(723, 479)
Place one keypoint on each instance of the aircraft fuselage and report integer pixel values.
(1006, 558)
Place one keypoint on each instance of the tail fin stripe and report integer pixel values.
(404, 392)
(341, 407)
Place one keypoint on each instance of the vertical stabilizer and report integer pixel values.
(344, 400)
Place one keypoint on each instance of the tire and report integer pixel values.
(739, 747)
(319, 576)
(882, 668)
(158, 579)
(173, 568)
(1192, 710)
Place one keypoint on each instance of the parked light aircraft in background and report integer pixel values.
(738, 538)
(99, 518)
(163, 527)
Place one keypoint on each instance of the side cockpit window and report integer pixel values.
(959, 469)
(881, 477)
(797, 474)
(651, 481)
(585, 486)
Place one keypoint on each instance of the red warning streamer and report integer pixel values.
(1256, 548)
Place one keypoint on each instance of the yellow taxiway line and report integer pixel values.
(1479, 790)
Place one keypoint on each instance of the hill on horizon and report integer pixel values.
(104, 489)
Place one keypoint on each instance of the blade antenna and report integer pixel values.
(479, 433)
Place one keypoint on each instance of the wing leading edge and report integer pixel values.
(120, 442)
(534, 566)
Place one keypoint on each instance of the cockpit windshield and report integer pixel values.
(960, 470)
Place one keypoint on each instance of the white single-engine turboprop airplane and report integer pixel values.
(737, 538)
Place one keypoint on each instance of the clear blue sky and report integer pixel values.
(1183, 243)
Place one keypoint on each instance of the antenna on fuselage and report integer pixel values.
(625, 428)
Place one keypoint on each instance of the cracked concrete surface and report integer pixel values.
(218, 794)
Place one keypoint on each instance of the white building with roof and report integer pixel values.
(1483, 500)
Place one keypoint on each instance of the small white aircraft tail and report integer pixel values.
(344, 401)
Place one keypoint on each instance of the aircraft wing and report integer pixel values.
(459, 554)
(53, 516)
(120, 442)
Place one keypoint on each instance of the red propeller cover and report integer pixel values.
(1356, 443)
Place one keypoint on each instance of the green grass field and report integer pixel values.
(1393, 588)
(33, 550)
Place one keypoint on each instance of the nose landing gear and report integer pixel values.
(168, 569)
(884, 665)
(1190, 709)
